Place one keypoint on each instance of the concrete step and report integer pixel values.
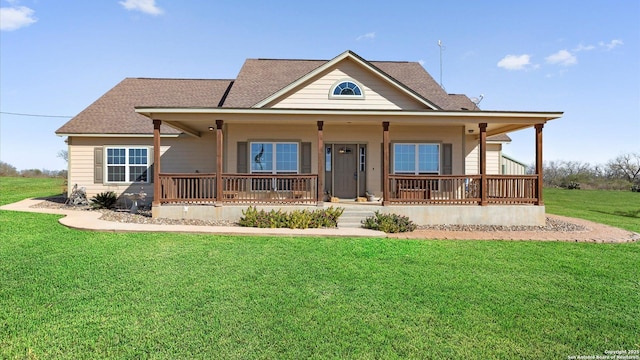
(352, 218)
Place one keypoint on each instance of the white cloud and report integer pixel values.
(421, 62)
(13, 18)
(145, 6)
(515, 62)
(371, 35)
(562, 57)
(612, 44)
(582, 47)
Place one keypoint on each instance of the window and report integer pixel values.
(327, 159)
(274, 158)
(127, 164)
(416, 158)
(346, 89)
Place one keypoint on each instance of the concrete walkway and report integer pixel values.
(90, 220)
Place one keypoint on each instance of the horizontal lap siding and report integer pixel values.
(184, 154)
(378, 93)
(493, 159)
(472, 158)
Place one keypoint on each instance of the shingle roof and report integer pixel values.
(113, 112)
(260, 78)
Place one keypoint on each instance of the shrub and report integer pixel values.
(635, 188)
(389, 223)
(104, 200)
(7, 169)
(297, 219)
(572, 185)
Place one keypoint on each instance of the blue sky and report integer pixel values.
(583, 58)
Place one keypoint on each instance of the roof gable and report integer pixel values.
(346, 56)
(376, 92)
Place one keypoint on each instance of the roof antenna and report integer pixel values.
(442, 47)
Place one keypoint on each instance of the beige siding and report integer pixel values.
(471, 160)
(187, 154)
(472, 157)
(352, 134)
(494, 152)
(183, 154)
(378, 93)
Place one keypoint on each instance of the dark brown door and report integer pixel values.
(345, 178)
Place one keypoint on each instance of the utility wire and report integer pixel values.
(36, 115)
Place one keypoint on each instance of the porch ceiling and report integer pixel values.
(195, 121)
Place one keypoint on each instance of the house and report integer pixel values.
(297, 132)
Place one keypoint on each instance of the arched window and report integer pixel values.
(347, 88)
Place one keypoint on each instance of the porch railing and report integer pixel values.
(187, 188)
(263, 188)
(238, 188)
(461, 189)
(303, 189)
(511, 189)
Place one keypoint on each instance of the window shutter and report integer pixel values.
(305, 163)
(447, 159)
(242, 156)
(98, 165)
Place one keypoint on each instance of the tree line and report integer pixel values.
(621, 173)
(10, 170)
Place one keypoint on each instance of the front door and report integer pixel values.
(345, 177)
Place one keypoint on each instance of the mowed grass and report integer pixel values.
(14, 189)
(74, 294)
(616, 208)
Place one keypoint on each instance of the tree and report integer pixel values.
(626, 166)
(7, 169)
(64, 155)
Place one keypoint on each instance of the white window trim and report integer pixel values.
(416, 161)
(126, 164)
(274, 157)
(346, 97)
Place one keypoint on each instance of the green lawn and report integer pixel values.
(616, 208)
(14, 189)
(74, 294)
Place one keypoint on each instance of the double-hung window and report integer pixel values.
(416, 159)
(274, 157)
(127, 164)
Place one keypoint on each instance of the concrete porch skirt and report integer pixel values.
(505, 215)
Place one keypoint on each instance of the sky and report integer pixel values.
(582, 58)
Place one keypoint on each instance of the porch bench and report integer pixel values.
(412, 194)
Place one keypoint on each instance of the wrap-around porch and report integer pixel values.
(221, 188)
